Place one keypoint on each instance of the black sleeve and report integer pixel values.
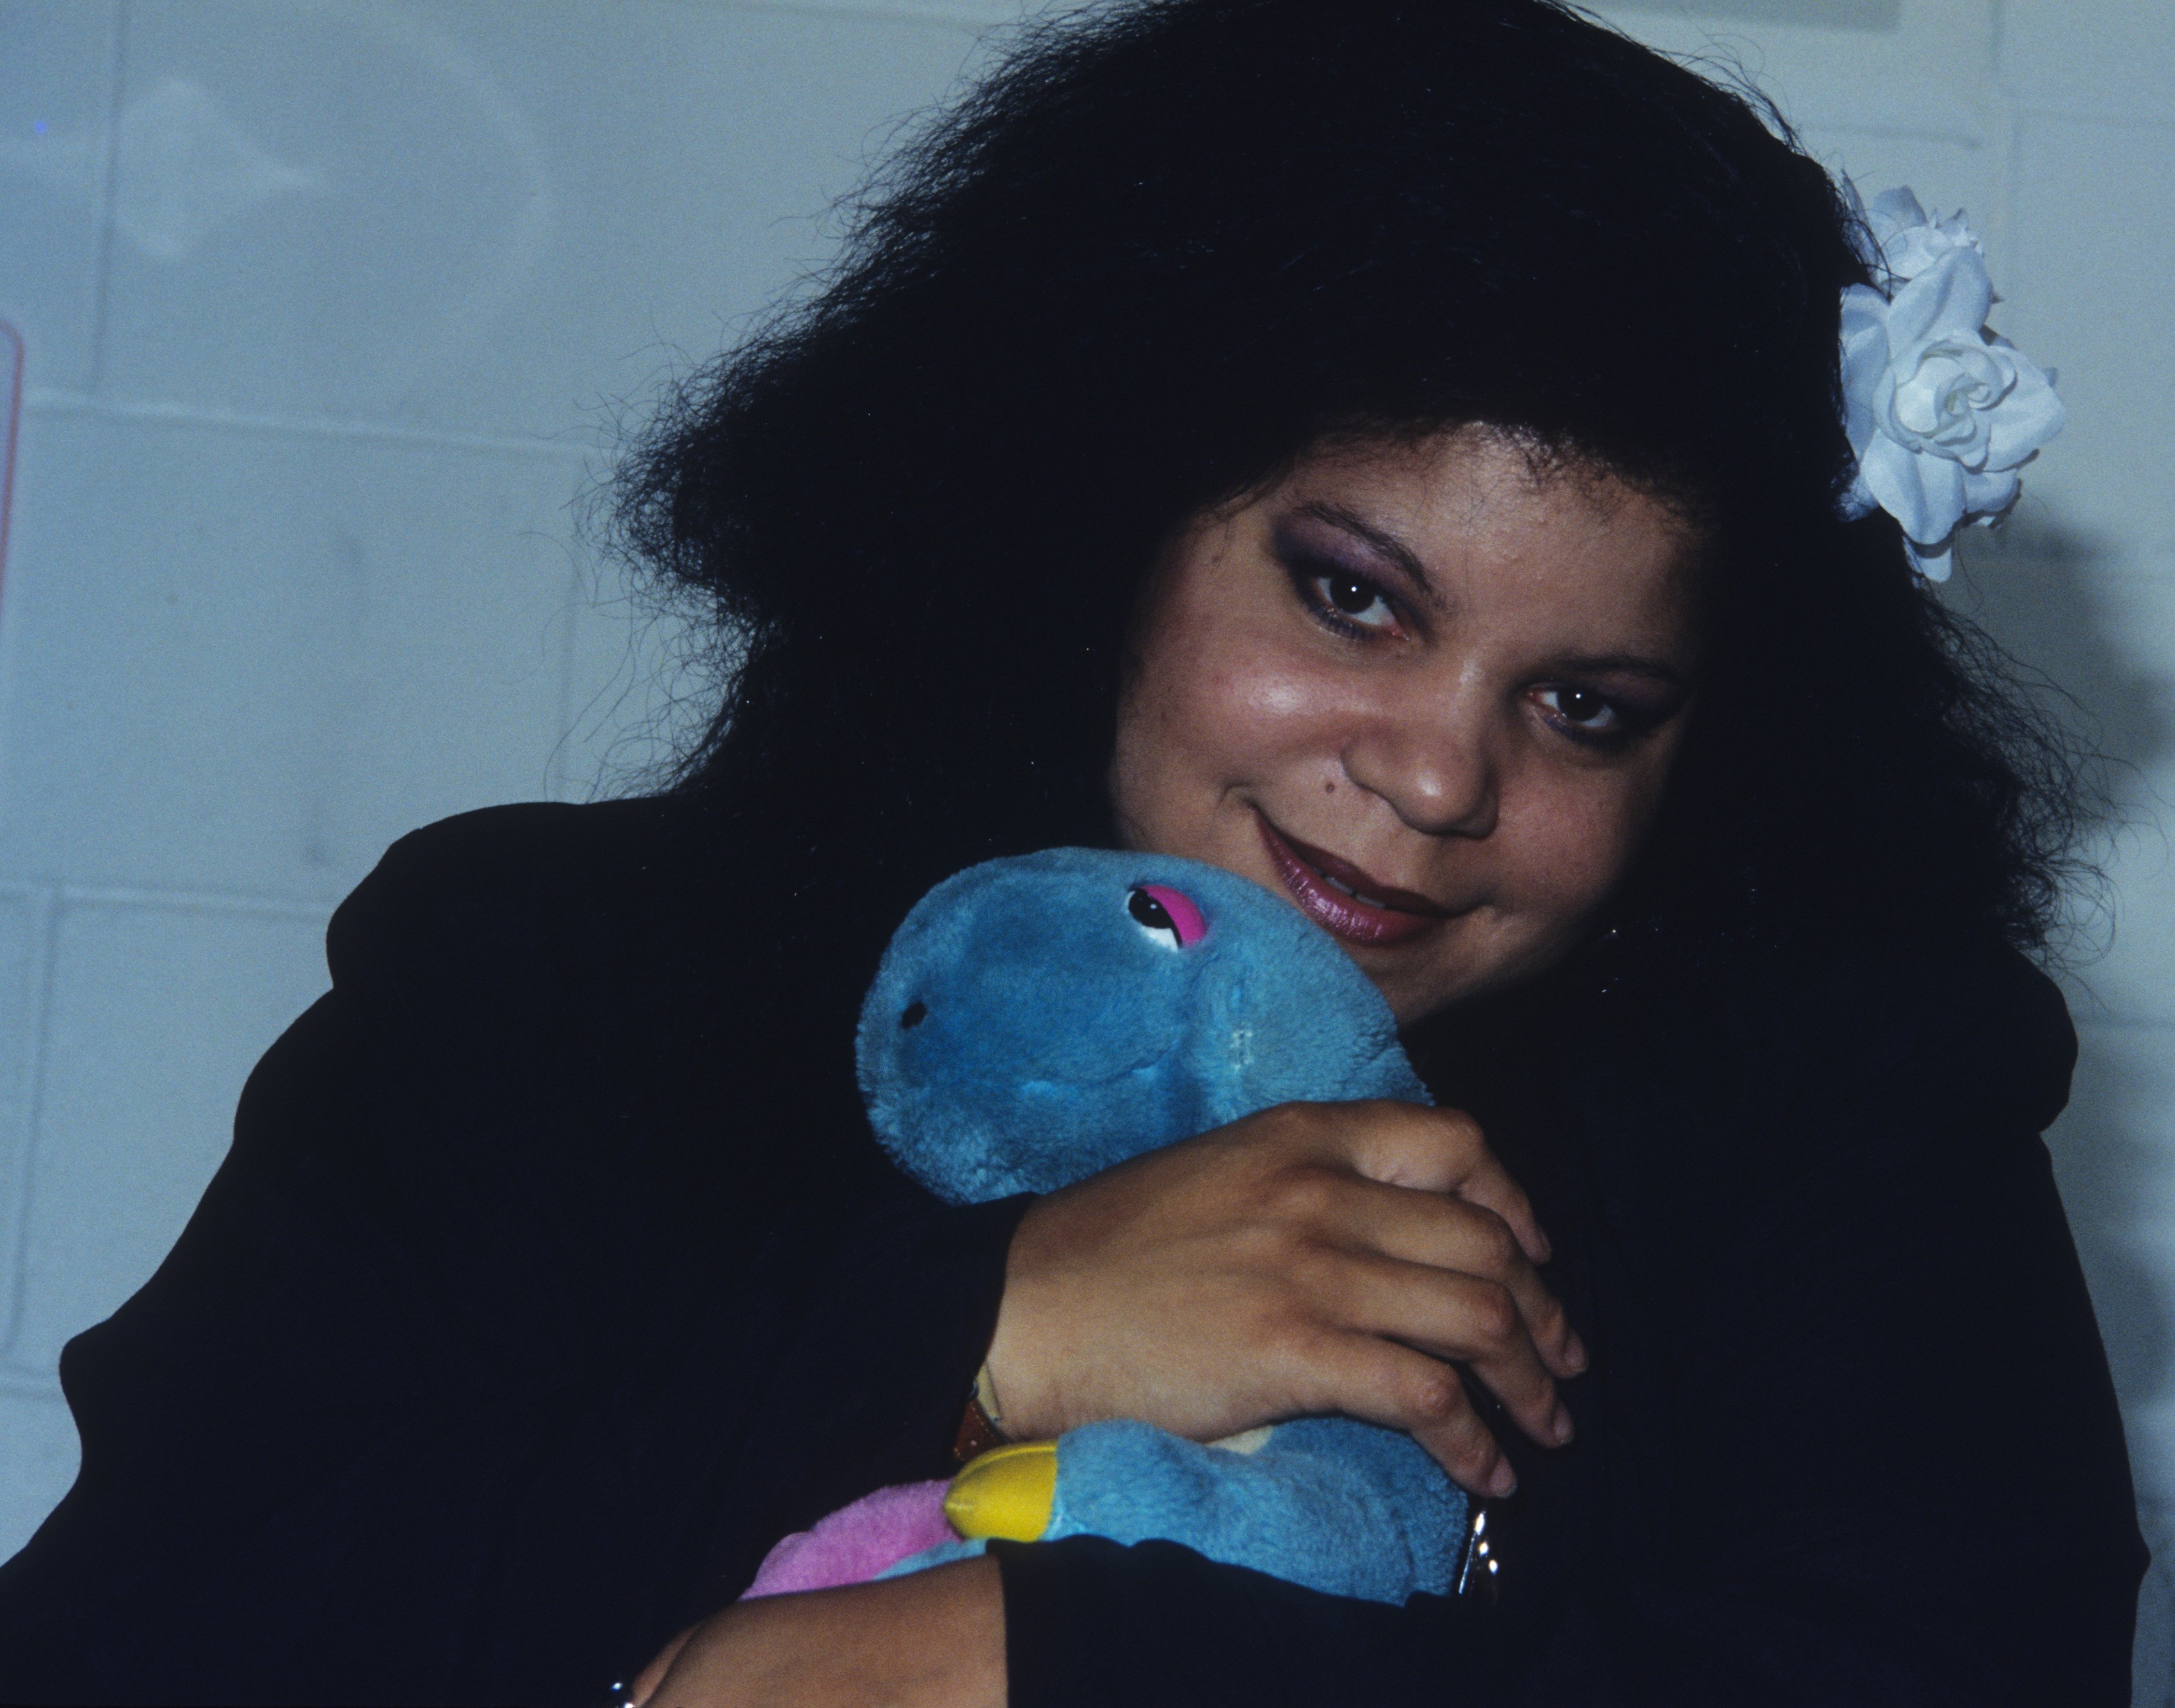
(469, 1381)
(1860, 1447)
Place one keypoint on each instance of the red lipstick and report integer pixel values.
(1344, 900)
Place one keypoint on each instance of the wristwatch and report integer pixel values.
(980, 1425)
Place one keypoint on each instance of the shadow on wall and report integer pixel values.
(2043, 590)
(2152, 1669)
(2061, 603)
(2112, 1166)
(2046, 592)
(2057, 599)
(2112, 1156)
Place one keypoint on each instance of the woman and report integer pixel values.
(1393, 453)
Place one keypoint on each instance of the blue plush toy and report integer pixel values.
(1037, 1020)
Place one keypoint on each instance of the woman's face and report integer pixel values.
(1428, 696)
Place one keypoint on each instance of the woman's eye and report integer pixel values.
(1584, 712)
(1355, 600)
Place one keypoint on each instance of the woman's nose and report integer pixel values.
(1433, 770)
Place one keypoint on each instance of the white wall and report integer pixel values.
(331, 311)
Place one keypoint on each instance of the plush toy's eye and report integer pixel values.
(1167, 913)
(915, 1013)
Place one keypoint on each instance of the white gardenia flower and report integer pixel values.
(1940, 411)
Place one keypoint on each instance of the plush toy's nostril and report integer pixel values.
(916, 1012)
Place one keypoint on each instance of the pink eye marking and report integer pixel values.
(1177, 912)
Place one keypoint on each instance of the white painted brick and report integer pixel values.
(246, 662)
(1919, 67)
(38, 1455)
(26, 916)
(158, 1015)
(1946, 174)
(2114, 59)
(967, 12)
(2092, 253)
(57, 63)
(488, 217)
(641, 686)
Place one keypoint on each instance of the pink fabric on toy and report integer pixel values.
(855, 1543)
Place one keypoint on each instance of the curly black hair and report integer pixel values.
(1167, 248)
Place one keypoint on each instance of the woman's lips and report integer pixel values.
(1322, 884)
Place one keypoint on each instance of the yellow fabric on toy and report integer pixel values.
(1007, 1494)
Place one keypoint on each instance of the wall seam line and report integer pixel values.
(187, 901)
(34, 1110)
(108, 192)
(46, 399)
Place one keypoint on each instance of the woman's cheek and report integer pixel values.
(1575, 843)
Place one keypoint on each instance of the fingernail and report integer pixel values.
(1504, 1480)
(1574, 1353)
(1559, 1425)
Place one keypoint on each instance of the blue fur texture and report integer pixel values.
(1027, 1029)
(1337, 1505)
(1056, 1035)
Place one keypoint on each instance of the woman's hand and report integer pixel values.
(1314, 1257)
(932, 1640)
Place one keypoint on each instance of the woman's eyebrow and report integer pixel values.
(1337, 516)
(1626, 665)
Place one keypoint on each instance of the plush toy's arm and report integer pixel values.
(857, 1542)
(1335, 1505)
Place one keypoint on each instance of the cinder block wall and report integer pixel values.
(331, 313)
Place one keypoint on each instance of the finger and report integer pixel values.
(1435, 1150)
(1448, 1315)
(1489, 1185)
(1475, 1174)
(1400, 1389)
(1451, 1233)
(1491, 1188)
(1402, 1144)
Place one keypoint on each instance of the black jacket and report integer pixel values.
(553, 1276)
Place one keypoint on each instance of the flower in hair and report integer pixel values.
(1941, 411)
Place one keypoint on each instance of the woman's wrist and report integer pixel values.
(1019, 1395)
(930, 1640)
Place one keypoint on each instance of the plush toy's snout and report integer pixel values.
(1162, 912)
